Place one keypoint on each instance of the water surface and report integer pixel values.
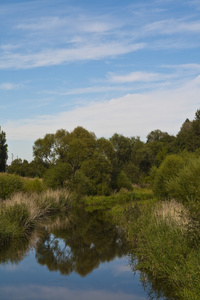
(83, 256)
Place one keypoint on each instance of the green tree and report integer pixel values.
(57, 176)
(3, 151)
(156, 135)
(189, 135)
(44, 150)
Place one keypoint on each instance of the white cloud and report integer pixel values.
(9, 86)
(171, 26)
(79, 23)
(134, 76)
(131, 115)
(59, 56)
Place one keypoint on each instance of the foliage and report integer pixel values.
(167, 171)
(24, 168)
(64, 159)
(35, 185)
(186, 185)
(165, 246)
(56, 176)
(10, 184)
(123, 181)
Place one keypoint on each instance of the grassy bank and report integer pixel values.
(22, 212)
(165, 244)
(122, 198)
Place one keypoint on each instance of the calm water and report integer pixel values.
(81, 257)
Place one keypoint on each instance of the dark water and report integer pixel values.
(83, 256)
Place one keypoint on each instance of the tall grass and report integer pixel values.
(165, 246)
(22, 213)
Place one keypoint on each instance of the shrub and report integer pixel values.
(33, 185)
(168, 170)
(186, 185)
(9, 184)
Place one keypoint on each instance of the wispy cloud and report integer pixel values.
(132, 115)
(73, 35)
(9, 86)
(171, 26)
(134, 77)
(58, 56)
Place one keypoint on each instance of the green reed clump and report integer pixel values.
(13, 221)
(22, 213)
(162, 247)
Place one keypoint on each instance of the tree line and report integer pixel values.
(80, 161)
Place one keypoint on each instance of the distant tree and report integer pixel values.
(188, 138)
(24, 168)
(197, 115)
(3, 151)
(156, 135)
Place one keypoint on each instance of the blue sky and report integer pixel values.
(110, 66)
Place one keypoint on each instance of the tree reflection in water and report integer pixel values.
(81, 244)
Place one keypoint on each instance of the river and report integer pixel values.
(79, 257)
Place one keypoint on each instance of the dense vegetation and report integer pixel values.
(81, 162)
(161, 220)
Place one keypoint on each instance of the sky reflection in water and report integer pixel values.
(31, 281)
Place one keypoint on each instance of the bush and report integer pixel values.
(33, 185)
(168, 170)
(9, 184)
(186, 185)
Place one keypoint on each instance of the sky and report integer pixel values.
(110, 66)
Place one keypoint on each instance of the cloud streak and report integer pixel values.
(59, 56)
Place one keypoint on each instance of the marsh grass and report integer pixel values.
(22, 213)
(164, 244)
(173, 213)
(122, 197)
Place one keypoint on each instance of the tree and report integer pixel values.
(3, 151)
(189, 135)
(156, 135)
(43, 149)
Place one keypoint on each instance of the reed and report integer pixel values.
(165, 244)
(22, 213)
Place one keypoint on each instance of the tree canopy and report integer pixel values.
(90, 165)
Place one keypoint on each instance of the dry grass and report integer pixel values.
(173, 213)
(39, 207)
